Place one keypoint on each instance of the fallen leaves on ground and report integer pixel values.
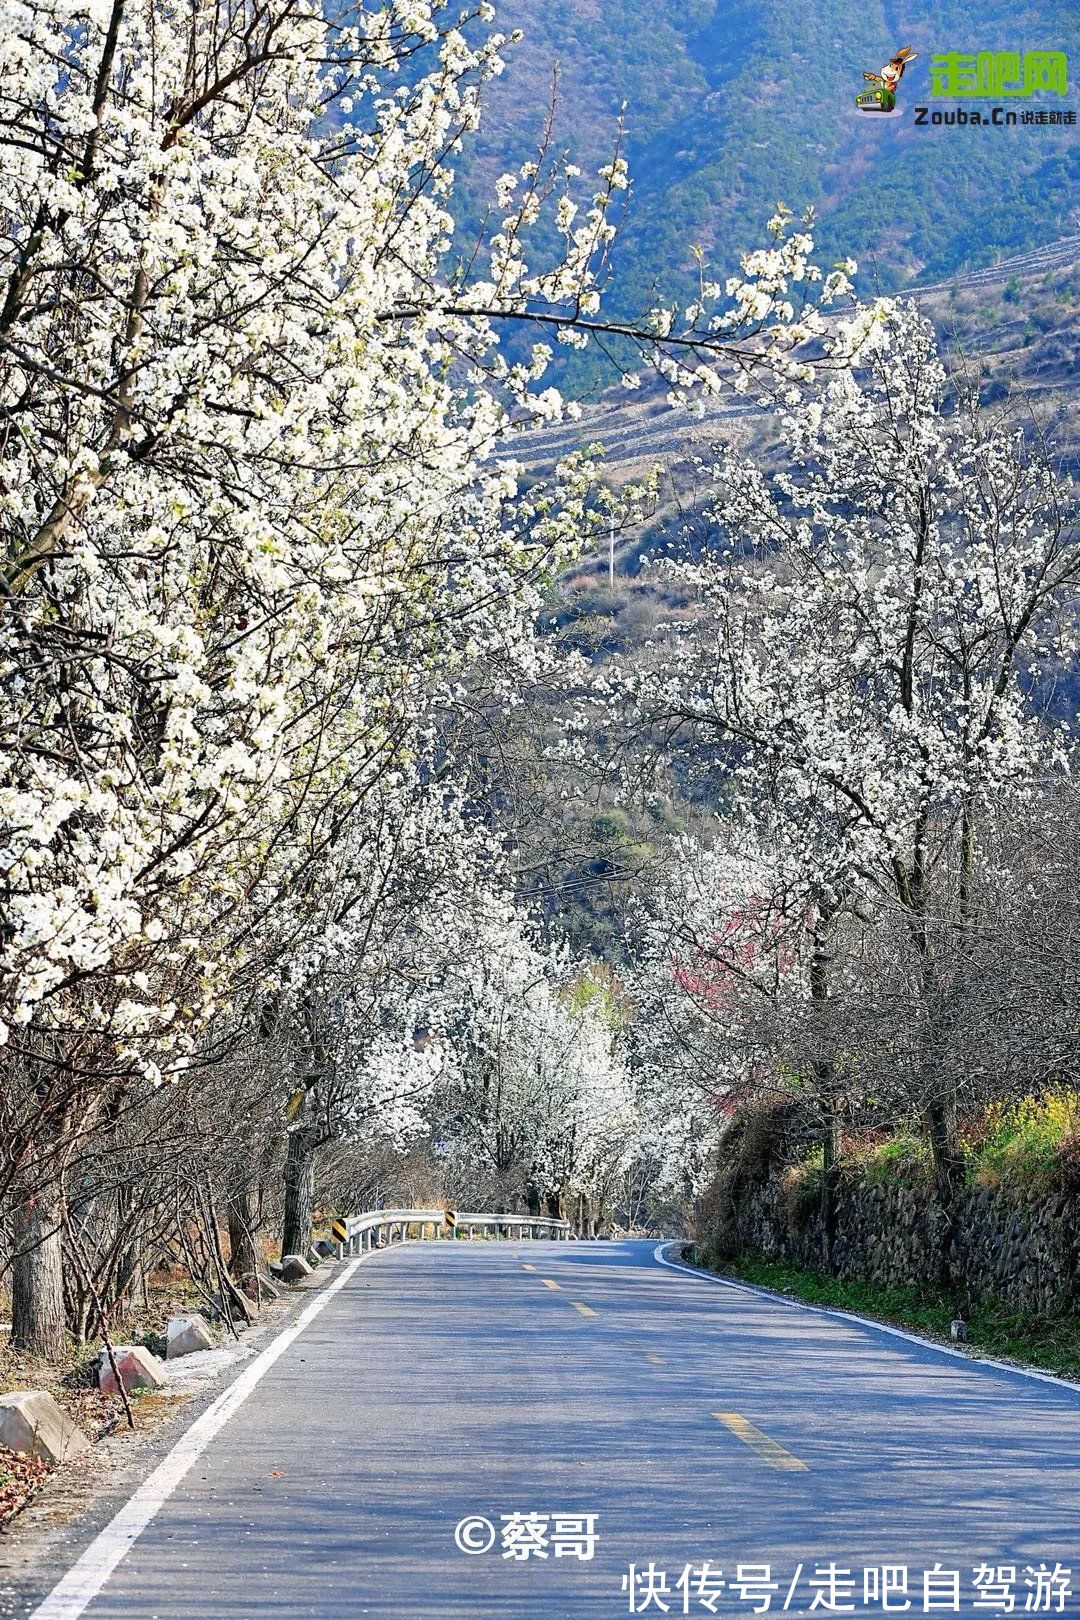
(21, 1478)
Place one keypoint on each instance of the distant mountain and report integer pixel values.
(732, 106)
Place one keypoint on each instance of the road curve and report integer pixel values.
(695, 1422)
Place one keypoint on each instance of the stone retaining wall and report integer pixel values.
(1020, 1248)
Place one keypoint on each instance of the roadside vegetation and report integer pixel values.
(761, 1221)
(271, 940)
(1051, 1343)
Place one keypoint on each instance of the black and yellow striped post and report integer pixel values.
(339, 1232)
(449, 1221)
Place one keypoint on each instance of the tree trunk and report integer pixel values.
(243, 1260)
(939, 1096)
(948, 1171)
(299, 1192)
(830, 1182)
(130, 1275)
(37, 1293)
(825, 1086)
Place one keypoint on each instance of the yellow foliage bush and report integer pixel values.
(1026, 1142)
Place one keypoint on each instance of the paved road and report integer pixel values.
(446, 1380)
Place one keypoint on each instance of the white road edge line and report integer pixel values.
(76, 1590)
(863, 1321)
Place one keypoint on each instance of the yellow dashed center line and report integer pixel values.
(657, 1361)
(527, 1267)
(770, 1451)
(586, 1310)
(548, 1283)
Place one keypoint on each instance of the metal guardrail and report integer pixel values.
(358, 1233)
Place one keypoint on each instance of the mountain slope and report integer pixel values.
(733, 106)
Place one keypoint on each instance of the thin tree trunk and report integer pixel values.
(37, 1292)
(299, 1192)
(825, 1086)
(948, 1171)
(131, 1273)
(938, 1094)
(940, 1110)
(243, 1260)
(233, 1302)
(830, 1181)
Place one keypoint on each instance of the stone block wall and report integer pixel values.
(1020, 1248)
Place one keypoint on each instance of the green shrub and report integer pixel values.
(1027, 1143)
(1051, 1341)
(898, 1158)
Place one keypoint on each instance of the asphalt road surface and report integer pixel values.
(693, 1422)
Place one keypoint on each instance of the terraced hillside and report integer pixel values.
(1016, 322)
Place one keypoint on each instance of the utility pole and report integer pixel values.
(611, 553)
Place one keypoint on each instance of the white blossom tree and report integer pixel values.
(539, 1107)
(718, 968)
(257, 491)
(864, 621)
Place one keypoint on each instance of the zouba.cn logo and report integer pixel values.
(881, 100)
